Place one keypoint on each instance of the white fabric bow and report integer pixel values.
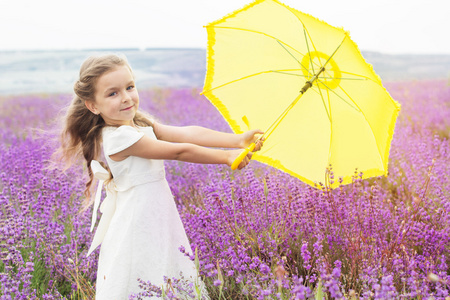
(107, 208)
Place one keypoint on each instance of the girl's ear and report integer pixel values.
(91, 106)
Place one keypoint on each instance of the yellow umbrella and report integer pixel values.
(304, 82)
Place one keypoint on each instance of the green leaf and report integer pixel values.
(196, 261)
(319, 293)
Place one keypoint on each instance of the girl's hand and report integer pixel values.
(233, 154)
(251, 136)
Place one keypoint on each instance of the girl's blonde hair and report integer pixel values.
(82, 132)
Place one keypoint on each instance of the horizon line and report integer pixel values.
(136, 49)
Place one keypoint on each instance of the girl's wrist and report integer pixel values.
(229, 158)
(241, 143)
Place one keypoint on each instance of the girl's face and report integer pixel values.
(116, 97)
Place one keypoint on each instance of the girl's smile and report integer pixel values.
(128, 108)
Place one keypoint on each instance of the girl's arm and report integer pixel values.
(205, 137)
(157, 149)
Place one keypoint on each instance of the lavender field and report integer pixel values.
(259, 233)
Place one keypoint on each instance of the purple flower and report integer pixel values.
(388, 233)
(217, 282)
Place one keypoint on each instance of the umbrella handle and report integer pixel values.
(241, 156)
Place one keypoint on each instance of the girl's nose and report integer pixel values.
(126, 98)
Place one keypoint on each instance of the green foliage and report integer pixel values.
(41, 276)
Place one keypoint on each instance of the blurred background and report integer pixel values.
(43, 43)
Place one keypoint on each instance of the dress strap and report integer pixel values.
(107, 208)
(101, 174)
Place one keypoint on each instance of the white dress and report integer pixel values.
(142, 231)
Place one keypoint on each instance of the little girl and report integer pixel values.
(140, 231)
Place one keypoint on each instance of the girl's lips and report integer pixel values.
(128, 108)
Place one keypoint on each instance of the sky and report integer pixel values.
(386, 26)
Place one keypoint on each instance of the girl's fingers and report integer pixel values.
(257, 131)
(242, 165)
(245, 161)
(258, 145)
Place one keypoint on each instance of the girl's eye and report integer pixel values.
(112, 94)
(130, 87)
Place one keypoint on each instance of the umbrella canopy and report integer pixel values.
(306, 83)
